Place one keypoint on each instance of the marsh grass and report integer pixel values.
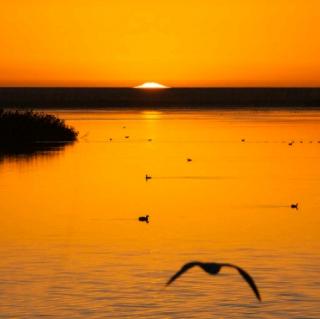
(21, 128)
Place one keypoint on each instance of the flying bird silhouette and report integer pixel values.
(294, 206)
(213, 269)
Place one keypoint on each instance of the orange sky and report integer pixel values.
(177, 43)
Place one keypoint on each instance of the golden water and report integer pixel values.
(71, 244)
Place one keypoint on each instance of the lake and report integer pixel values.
(72, 245)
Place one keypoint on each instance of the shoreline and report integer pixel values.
(185, 98)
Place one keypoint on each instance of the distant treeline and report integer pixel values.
(22, 128)
(176, 98)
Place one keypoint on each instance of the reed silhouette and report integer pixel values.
(214, 269)
(25, 127)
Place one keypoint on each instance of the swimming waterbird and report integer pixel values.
(144, 219)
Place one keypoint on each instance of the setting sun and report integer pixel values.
(151, 85)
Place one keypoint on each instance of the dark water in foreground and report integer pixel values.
(71, 245)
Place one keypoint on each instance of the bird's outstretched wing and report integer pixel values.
(183, 269)
(248, 279)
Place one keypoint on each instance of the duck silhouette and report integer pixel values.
(214, 269)
(189, 159)
(144, 219)
(148, 177)
(294, 206)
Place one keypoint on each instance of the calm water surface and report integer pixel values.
(71, 245)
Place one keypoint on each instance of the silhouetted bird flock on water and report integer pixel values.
(243, 140)
(212, 268)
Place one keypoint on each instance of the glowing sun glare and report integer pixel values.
(151, 85)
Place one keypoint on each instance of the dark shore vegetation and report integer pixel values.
(193, 98)
(21, 129)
